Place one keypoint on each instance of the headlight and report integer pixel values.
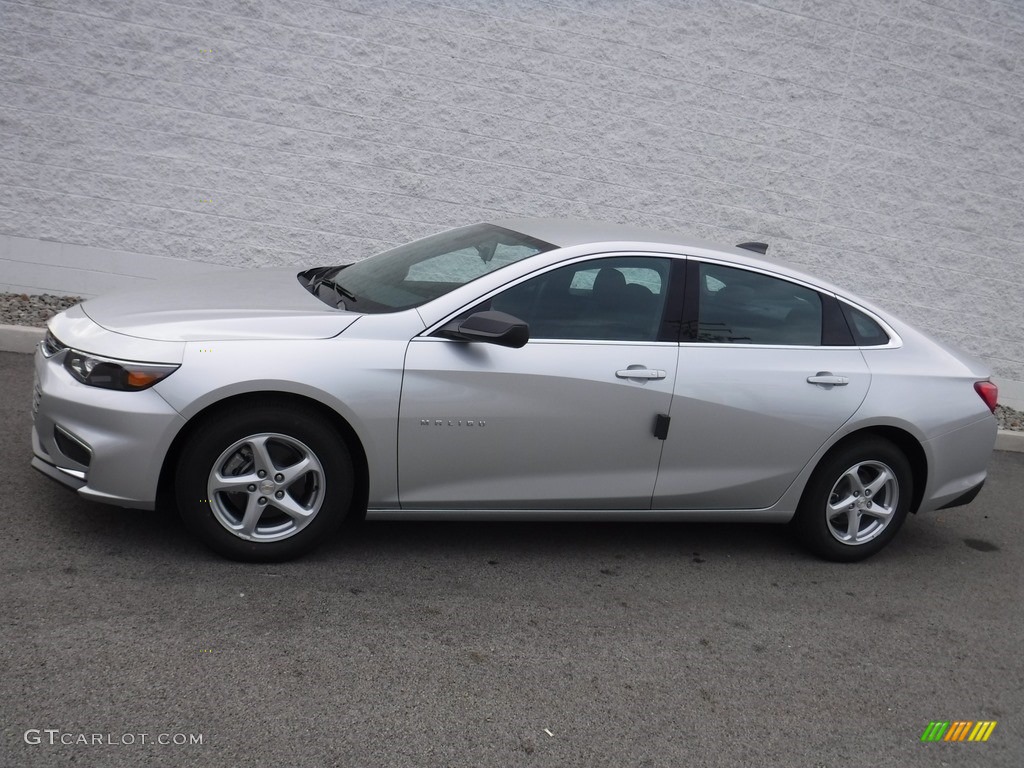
(114, 374)
(51, 345)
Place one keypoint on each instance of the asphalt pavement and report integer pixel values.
(501, 644)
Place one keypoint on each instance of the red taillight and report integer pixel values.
(988, 392)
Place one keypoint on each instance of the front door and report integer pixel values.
(559, 424)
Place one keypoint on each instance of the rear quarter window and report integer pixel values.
(866, 332)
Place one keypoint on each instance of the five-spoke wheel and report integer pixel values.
(266, 487)
(856, 500)
(264, 483)
(862, 502)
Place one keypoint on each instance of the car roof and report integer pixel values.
(569, 232)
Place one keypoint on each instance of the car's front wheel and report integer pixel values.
(856, 501)
(267, 483)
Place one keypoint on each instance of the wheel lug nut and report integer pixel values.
(867, 493)
(261, 473)
(279, 477)
(251, 488)
(279, 494)
(263, 500)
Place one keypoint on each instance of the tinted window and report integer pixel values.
(737, 306)
(619, 299)
(866, 331)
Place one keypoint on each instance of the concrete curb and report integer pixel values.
(20, 338)
(1010, 441)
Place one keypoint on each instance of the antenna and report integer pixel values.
(761, 248)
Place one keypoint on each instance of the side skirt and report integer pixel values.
(657, 515)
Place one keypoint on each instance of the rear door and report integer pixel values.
(765, 377)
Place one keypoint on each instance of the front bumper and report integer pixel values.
(107, 445)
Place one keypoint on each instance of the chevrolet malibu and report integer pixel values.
(526, 369)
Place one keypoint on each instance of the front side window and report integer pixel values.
(613, 299)
(738, 306)
(418, 272)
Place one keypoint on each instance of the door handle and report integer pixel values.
(828, 378)
(641, 373)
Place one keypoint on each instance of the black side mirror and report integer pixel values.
(490, 327)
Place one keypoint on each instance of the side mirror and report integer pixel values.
(490, 327)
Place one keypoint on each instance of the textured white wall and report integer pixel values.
(879, 143)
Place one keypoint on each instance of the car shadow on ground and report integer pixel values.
(160, 533)
(558, 539)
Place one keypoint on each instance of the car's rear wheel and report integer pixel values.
(266, 484)
(856, 501)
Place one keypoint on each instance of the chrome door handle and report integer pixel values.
(827, 377)
(641, 373)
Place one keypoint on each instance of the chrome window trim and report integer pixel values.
(895, 342)
(427, 333)
(583, 342)
(761, 270)
(726, 345)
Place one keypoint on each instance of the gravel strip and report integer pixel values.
(1010, 418)
(34, 311)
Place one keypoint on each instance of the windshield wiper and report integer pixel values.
(330, 282)
(341, 290)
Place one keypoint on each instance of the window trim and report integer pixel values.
(673, 300)
(691, 309)
(895, 342)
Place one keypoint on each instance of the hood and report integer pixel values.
(242, 304)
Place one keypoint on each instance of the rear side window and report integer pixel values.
(866, 332)
(737, 306)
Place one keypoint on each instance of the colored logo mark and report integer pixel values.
(958, 730)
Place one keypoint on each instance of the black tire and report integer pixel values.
(285, 519)
(823, 519)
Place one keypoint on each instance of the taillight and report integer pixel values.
(988, 392)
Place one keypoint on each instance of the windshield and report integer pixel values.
(418, 272)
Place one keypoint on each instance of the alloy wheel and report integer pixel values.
(266, 487)
(862, 502)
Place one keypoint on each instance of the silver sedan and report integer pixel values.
(520, 369)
